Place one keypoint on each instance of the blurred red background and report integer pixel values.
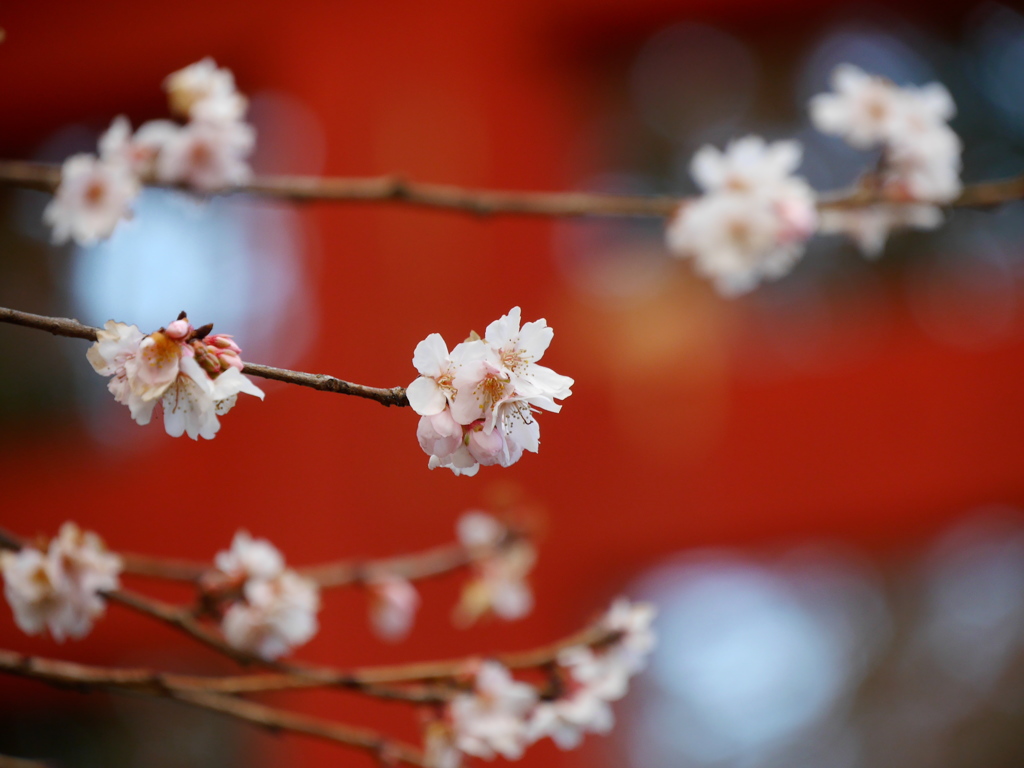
(690, 426)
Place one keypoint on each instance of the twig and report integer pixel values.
(396, 189)
(206, 693)
(416, 566)
(62, 326)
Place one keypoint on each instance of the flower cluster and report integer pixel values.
(59, 587)
(206, 153)
(278, 607)
(500, 562)
(920, 160)
(502, 716)
(197, 376)
(478, 401)
(752, 221)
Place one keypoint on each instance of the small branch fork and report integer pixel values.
(396, 189)
(431, 683)
(63, 326)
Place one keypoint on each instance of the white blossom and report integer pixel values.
(93, 197)
(633, 621)
(920, 153)
(207, 155)
(754, 218)
(275, 615)
(250, 558)
(194, 379)
(59, 589)
(582, 709)
(206, 92)
(492, 719)
(477, 402)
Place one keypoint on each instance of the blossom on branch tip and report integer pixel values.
(196, 377)
(60, 588)
(920, 154)
(754, 218)
(477, 403)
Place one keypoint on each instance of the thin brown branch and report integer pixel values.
(396, 189)
(414, 567)
(62, 326)
(208, 693)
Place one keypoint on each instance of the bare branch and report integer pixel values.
(396, 189)
(62, 326)
(203, 693)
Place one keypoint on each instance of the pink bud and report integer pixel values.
(179, 329)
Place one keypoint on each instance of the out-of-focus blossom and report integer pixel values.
(920, 154)
(162, 367)
(207, 156)
(205, 91)
(477, 402)
(582, 707)
(275, 615)
(250, 558)
(93, 197)
(394, 602)
(754, 218)
(59, 589)
(500, 567)
(207, 153)
(492, 719)
(632, 621)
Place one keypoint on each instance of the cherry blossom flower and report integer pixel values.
(250, 558)
(93, 197)
(394, 602)
(207, 155)
(205, 91)
(492, 719)
(864, 110)
(637, 639)
(590, 678)
(477, 402)
(920, 153)
(275, 615)
(754, 218)
(60, 589)
(500, 567)
(581, 708)
(196, 378)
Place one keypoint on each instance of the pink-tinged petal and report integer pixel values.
(431, 356)
(425, 396)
